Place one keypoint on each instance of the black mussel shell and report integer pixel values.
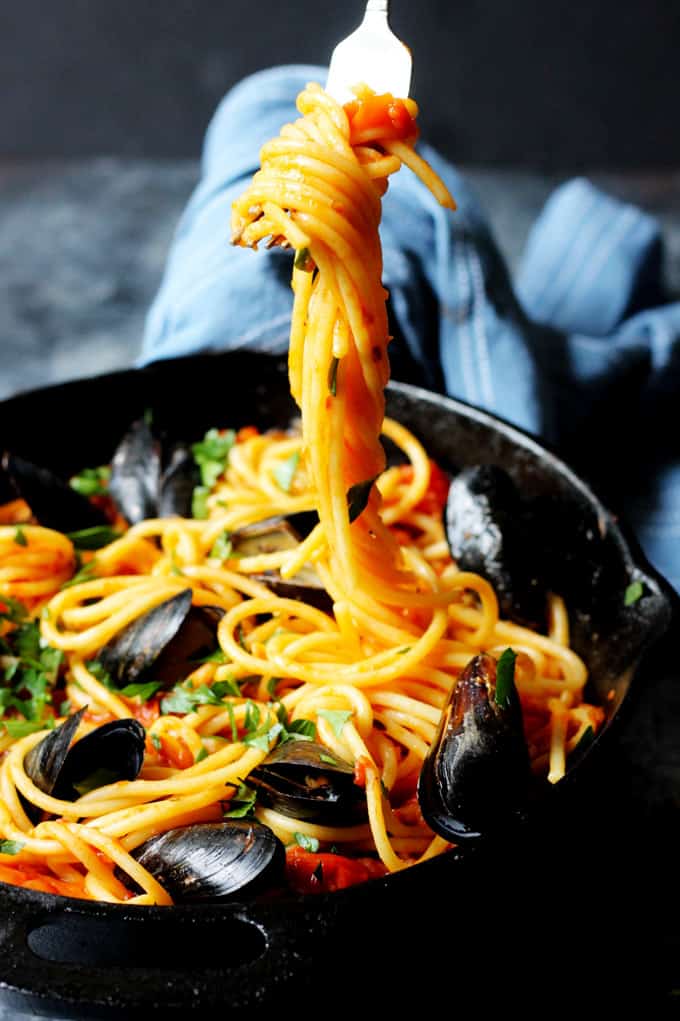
(53, 502)
(168, 642)
(195, 640)
(136, 648)
(114, 751)
(151, 479)
(304, 780)
(177, 484)
(214, 861)
(135, 473)
(476, 775)
(489, 534)
(272, 536)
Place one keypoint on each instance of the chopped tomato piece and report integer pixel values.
(246, 433)
(379, 117)
(146, 712)
(308, 872)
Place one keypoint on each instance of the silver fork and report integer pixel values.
(371, 55)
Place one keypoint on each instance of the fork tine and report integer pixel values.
(371, 55)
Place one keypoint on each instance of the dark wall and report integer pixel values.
(544, 83)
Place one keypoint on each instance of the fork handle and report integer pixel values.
(381, 6)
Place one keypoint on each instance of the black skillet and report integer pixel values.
(464, 928)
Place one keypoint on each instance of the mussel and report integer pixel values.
(67, 770)
(272, 536)
(149, 478)
(171, 639)
(304, 780)
(52, 501)
(476, 775)
(214, 861)
(490, 533)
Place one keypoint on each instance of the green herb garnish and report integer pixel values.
(212, 455)
(199, 502)
(284, 472)
(505, 678)
(333, 377)
(303, 260)
(22, 728)
(93, 538)
(305, 842)
(10, 846)
(92, 481)
(336, 717)
(357, 498)
(202, 754)
(156, 742)
(20, 537)
(222, 548)
(634, 592)
(30, 673)
(141, 690)
(244, 801)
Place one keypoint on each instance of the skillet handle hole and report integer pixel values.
(171, 945)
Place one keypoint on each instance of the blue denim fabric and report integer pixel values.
(579, 348)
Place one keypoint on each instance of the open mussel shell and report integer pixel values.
(489, 534)
(150, 479)
(476, 775)
(135, 473)
(169, 641)
(177, 483)
(52, 501)
(304, 780)
(214, 861)
(274, 535)
(67, 770)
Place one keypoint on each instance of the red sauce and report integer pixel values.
(309, 872)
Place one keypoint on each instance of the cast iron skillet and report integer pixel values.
(411, 935)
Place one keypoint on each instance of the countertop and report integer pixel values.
(82, 248)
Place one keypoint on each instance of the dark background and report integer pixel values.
(546, 84)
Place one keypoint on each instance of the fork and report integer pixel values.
(371, 55)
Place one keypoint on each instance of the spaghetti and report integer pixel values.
(367, 677)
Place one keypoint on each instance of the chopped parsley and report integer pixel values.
(333, 377)
(634, 592)
(284, 473)
(242, 802)
(202, 754)
(222, 547)
(306, 843)
(20, 537)
(31, 669)
(93, 538)
(92, 481)
(505, 678)
(303, 260)
(212, 454)
(156, 742)
(184, 698)
(199, 502)
(336, 717)
(10, 846)
(357, 498)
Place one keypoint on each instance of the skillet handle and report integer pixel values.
(74, 957)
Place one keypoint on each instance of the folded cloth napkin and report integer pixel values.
(580, 351)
